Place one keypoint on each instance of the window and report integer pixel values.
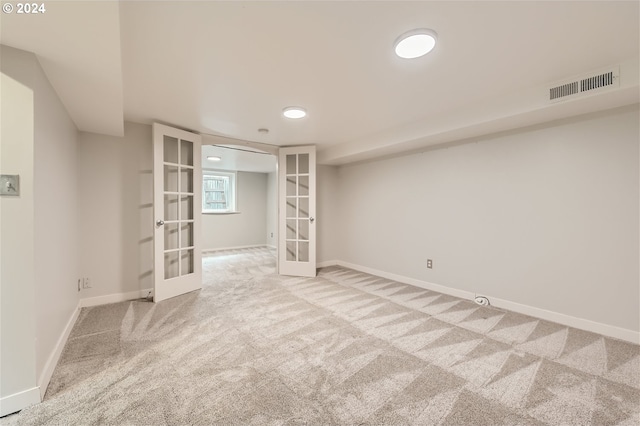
(218, 192)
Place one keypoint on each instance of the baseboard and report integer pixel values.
(463, 294)
(114, 298)
(213, 250)
(581, 323)
(272, 247)
(50, 366)
(18, 401)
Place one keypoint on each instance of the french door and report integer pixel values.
(297, 210)
(177, 186)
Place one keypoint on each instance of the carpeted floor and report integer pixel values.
(345, 348)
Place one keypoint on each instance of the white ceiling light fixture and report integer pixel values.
(294, 112)
(213, 158)
(415, 43)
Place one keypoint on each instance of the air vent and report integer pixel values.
(597, 81)
(564, 90)
(594, 82)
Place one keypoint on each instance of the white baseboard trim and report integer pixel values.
(114, 298)
(52, 361)
(272, 247)
(213, 250)
(18, 401)
(581, 323)
(407, 280)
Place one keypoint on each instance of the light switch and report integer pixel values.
(10, 185)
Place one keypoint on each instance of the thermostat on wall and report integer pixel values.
(10, 185)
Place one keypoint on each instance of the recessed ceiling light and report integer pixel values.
(415, 43)
(213, 158)
(294, 112)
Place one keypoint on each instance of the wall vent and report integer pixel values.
(599, 81)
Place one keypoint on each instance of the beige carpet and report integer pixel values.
(345, 348)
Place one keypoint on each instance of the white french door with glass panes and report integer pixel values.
(297, 210)
(177, 186)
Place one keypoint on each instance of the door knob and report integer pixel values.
(311, 219)
(159, 222)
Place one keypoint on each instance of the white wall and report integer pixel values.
(56, 223)
(546, 217)
(272, 209)
(246, 228)
(18, 386)
(116, 211)
(39, 234)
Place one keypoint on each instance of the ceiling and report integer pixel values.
(229, 68)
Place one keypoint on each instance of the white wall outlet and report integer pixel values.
(429, 263)
(86, 283)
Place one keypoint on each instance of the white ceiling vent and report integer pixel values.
(587, 84)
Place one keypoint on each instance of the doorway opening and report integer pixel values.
(239, 197)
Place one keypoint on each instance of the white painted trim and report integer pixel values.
(213, 250)
(50, 366)
(568, 320)
(272, 247)
(18, 401)
(581, 323)
(407, 280)
(114, 298)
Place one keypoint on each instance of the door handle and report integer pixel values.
(159, 222)
(311, 219)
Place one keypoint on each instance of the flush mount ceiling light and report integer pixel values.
(294, 112)
(213, 158)
(415, 43)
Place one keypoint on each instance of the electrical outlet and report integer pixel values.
(86, 283)
(429, 263)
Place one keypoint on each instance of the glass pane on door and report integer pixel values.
(170, 207)
(170, 236)
(186, 235)
(170, 150)
(170, 178)
(186, 153)
(171, 265)
(303, 251)
(186, 262)
(291, 251)
(291, 164)
(303, 164)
